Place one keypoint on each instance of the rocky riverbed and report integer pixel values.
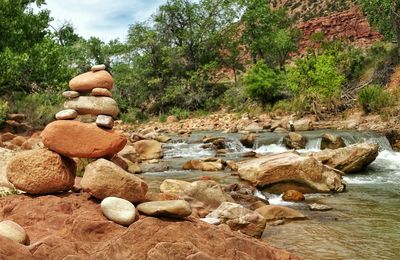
(237, 188)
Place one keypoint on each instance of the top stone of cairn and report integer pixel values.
(96, 78)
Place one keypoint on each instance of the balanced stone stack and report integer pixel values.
(98, 83)
(89, 94)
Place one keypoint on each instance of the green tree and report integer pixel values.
(316, 79)
(268, 33)
(385, 14)
(263, 83)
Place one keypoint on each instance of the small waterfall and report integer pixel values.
(235, 146)
(382, 141)
(314, 144)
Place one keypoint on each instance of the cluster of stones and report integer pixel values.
(98, 82)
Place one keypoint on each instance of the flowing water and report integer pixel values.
(364, 222)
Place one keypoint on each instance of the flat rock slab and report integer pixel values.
(92, 105)
(93, 79)
(76, 139)
(167, 208)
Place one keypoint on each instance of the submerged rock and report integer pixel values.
(202, 165)
(319, 207)
(293, 195)
(350, 159)
(273, 212)
(291, 168)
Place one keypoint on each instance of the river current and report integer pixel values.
(364, 222)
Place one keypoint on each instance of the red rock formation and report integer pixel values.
(350, 24)
(72, 225)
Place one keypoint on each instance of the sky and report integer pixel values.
(105, 19)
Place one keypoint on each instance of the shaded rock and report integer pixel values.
(103, 179)
(239, 218)
(101, 92)
(70, 94)
(232, 165)
(245, 196)
(18, 140)
(98, 67)
(291, 168)
(32, 143)
(76, 139)
(330, 141)
(148, 149)
(272, 212)
(294, 141)
(17, 117)
(167, 208)
(7, 137)
(319, 207)
(203, 165)
(118, 210)
(162, 138)
(174, 186)
(129, 153)
(74, 226)
(293, 195)
(154, 167)
(41, 171)
(105, 121)
(248, 140)
(350, 159)
(66, 114)
(93, 105)
(87, 81)
(13, 231)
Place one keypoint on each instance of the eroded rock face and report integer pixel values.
(91, 105)
(71, 225)
(291, 168)
(41, 172)
(103, 179)
(350, 159)
(239, 218)
(77, 139)
(87, 81)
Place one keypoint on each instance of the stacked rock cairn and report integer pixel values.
(98, 82)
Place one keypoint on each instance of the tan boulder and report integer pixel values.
(238, 217)
(273, 212)
(350, 159)
(294, 141)
(202, 165)
(103, 179)
(41, 172)
(92, 105)
(292, 168)
(174, 186)
(304, 124)
(166, 208)
(330, 141)
(102, 92)
(5, 157)
(248, 140)
(76, 139)
(90, 80)
(148, 149)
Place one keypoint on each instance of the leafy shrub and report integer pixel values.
(134, 115)
(180, 113)
(3, 111)
(263, 83)
(39, 108)
(235, 98)
(374, 98)
(283, 105)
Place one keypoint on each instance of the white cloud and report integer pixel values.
(106, 19)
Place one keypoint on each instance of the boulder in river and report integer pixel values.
(293, 195)
(148, 149)
(274, 212)
(238, 217)
(248, 140)
(203, 165)
(305, 172)
(350, 159)
(294, 141)
(330, 141)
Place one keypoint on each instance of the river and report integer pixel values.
(364, 222)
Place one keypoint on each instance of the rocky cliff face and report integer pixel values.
(350, 24)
